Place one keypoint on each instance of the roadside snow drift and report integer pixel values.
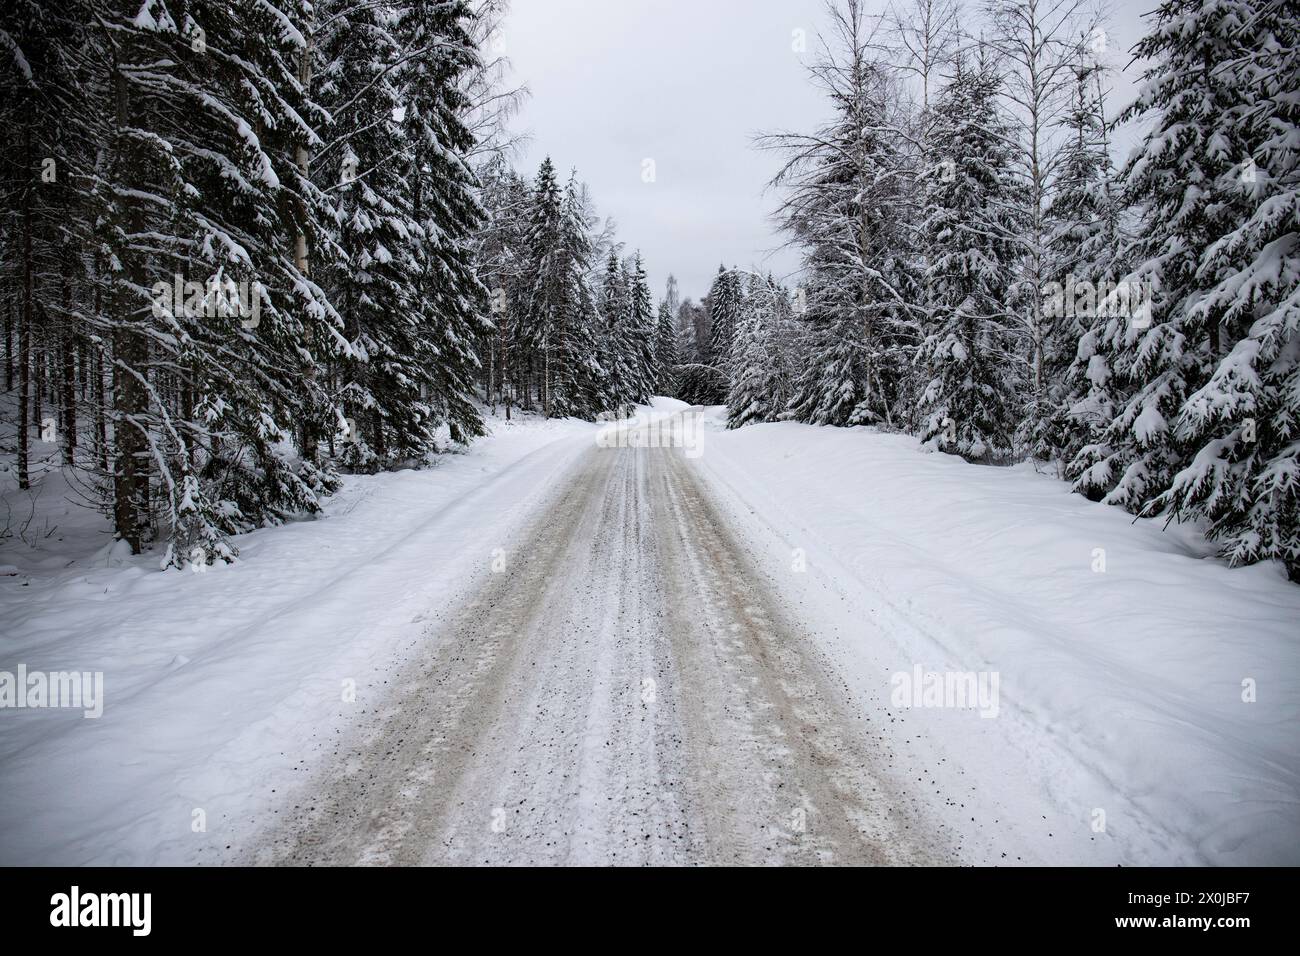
(1149, 695)
(218, 683)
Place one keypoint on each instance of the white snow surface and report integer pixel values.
(1121, 691)
(215, 682)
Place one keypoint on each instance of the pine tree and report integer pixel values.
(439, 54)
(1238, 429)
(969, 351)
(373, 282)
(643, 355)
(195, 190)
(501, 256)
(1186, 180)
(759, 387)
(1082, 227)
(725, 302)
(666, 356)
(616, 360)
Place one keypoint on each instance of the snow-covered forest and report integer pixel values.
(681, 479)
(249, 246)
(983, 271)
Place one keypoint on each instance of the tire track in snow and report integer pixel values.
(626, 692)
(790, 776)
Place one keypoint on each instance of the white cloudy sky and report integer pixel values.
(687, 84)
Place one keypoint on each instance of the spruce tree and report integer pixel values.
(643, 354)
(1237, 430)
(548, 292)
(195, 189)
(759, 387)
(969, 405)
(725, 304)
(571, 314)
(501, 259)
(666, 356)
(1190, 180)
(695, 370)
(374, 278)
(1079, 267)
(449, 300)
(616, 368)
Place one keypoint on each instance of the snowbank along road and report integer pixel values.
(624, 687)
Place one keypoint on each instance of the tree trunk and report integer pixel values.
(130, 400)
(9, 345)
(83, 371)
(186, 390)
(302, 156)
(377, 437)
(69, 374)
(101, 420)
(98, 396)
(130, 468)
(25, 327)
(24, 364)
(546, 381)
(38, 383)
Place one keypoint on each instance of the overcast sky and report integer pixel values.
(685, 84)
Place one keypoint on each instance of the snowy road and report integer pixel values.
(627, 688)
(679, 660)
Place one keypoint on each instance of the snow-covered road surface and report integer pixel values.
(626, 689)
(545, 650)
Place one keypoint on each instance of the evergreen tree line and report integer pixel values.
(246, 247)
(733, 347)
(574, 331)
(977, 271)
